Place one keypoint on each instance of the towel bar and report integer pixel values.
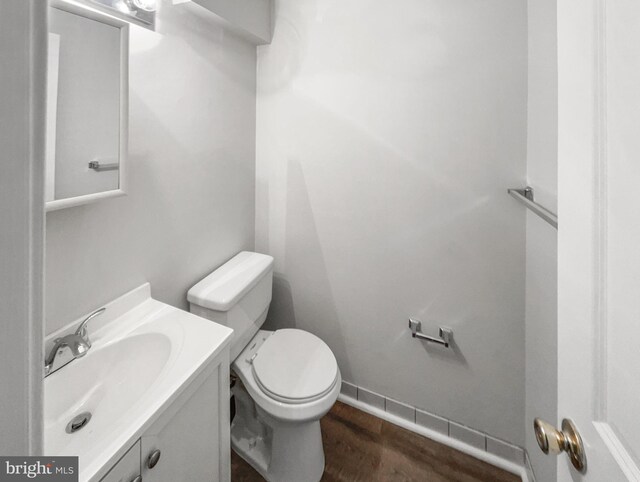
(525, 196)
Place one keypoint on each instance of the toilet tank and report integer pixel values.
(237, 295)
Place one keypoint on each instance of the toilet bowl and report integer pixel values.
(288, 379)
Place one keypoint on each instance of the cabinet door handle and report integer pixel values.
(137, 479)
(153, 458)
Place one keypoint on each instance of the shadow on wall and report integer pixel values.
(368, 229)
(382, 167)
(281, 69)
(316, 310)
(282, 308)
(450, 356)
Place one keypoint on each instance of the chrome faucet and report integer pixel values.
(75, 345)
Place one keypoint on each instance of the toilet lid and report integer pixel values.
(295, 366)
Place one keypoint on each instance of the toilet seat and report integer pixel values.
(294, 367)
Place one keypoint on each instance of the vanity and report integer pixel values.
(149, 401)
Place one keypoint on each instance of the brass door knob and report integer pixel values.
(553, 441)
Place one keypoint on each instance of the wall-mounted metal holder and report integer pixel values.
(525, 196)
(446, 334)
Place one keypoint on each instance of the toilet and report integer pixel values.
(289, 378)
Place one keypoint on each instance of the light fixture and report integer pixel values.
(146, 5)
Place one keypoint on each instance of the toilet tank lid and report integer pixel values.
(223, 288)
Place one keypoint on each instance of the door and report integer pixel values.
(599, 234)
(23, 51)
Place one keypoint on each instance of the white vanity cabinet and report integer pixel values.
(156, 384)
(189, 441)
(128, 467)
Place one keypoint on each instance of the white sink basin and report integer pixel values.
(143, 354)
(104, 383)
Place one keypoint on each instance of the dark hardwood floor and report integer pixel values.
(361, 447)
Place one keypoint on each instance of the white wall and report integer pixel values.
(190, 205)
(22, 106)
(387, 135)
(541, 265)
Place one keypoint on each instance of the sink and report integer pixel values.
(104, 382)
(144, 354)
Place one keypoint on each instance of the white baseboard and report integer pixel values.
(518, 469)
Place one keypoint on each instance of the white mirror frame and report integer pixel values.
(86, 11)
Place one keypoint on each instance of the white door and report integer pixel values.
(599, 235)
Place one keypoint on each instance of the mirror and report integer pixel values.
(87, 78)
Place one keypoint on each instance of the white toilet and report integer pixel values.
(290, 378)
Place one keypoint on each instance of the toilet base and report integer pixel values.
(277, 450)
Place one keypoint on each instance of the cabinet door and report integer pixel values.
(127, 468)
(192, 437)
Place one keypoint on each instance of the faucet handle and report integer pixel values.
(82, 328)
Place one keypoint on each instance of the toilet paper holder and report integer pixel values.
(445, 334)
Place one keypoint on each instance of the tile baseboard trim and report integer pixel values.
(523, 470)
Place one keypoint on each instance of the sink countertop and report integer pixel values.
(144, 354)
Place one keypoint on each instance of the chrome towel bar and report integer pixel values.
(525, 196)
